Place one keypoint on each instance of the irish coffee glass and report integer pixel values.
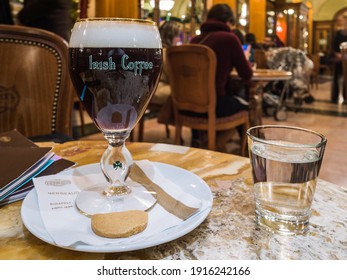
(115, 65)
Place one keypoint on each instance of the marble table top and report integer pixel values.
(229, 231)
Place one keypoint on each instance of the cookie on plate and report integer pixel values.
(119, 224)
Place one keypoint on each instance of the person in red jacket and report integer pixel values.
(216, 34)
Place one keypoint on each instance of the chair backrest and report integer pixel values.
(192, 70)
(36, 92)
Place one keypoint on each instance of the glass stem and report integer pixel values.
(115, 163)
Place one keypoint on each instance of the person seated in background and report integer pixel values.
(170, 36)
(216, 33)
(251, 40)
(272, 42)
(268, 43)
(240, 34)
(170, 32)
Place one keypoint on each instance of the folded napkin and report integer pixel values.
(170, 197)
(67, 226)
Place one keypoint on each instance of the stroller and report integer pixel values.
(276, 94)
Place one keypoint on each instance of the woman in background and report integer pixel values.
(170, 36)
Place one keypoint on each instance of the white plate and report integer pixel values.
(190, 182)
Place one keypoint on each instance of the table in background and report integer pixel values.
(259, 79)
(229, 232)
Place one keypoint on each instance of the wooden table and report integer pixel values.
(259, 79)
(270, 75)
(229, 231)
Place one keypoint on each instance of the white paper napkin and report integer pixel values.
(67, 226)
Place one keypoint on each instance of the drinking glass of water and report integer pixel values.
(285, 166)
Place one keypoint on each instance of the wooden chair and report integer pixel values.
(192, 70)
(36, 93)
(343, 48)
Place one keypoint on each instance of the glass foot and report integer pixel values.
(132, 197)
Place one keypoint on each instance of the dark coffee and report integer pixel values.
(115, 84)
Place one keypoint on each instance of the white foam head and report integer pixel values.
(108, 32)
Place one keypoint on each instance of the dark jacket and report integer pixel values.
(5, 12)
(51, 15)
(228, 51)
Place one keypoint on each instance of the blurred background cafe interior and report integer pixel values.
(308, 26)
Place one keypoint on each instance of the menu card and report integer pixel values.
(20, 161)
